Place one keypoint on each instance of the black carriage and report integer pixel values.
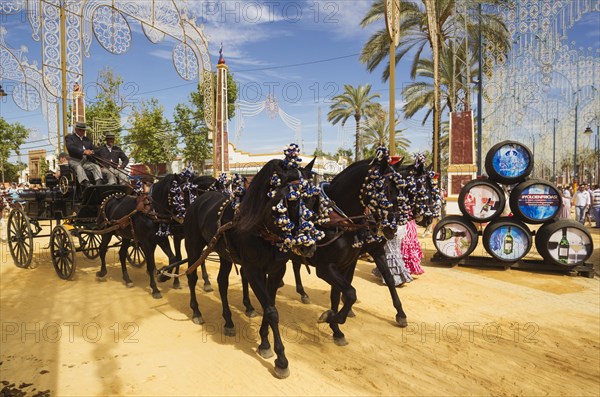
(71, 213)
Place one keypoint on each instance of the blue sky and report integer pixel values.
(261, 39)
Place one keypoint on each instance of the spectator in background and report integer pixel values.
(582, 204)
(565, 210)
(596, 205)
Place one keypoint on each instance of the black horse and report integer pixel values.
(142, 219)
(364, 213)
(272, 204)
(200, 184)
(419, 199)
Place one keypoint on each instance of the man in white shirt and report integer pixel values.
(582, 203)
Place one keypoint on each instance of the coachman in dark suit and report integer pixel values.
(80, 147)
(115, 161)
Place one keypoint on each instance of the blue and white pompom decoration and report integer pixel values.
(237, 190)
(187, 172)
(291, 153)
(275, 183)
(138, 187)
(382, 153)
(223, 179)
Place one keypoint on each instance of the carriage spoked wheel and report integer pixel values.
(135, 255)
(62, 251)
(20, 238)
(63, 185)
(89, 244)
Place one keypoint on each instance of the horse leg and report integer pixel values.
(270, 317)
(194, 250)
(378, 254)
(149, 247)
(122, 258)
(299, 287)
(102, 249)
(207, 286)
(165, 246)
(223, 282)
(338, 283)
(250, 311)
(177, 258)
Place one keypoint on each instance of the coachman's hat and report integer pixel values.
(109, 135)
(81, 126)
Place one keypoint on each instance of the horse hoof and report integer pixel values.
(101, 278)
(229, 331)
(129, 284)
(282, 373)
(351, 313)
(176, 286)
(340, 341)
(401, 321)
(251, 313)
(198, 320)
(325, 316)
(156, 295)
(265, 353)
(208, 288)
(162, 278)
(305, 299)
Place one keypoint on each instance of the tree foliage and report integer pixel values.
(353, 102)
(151, 139)
(190, 123)
(109, 102)
(12, 136)
(376, 132)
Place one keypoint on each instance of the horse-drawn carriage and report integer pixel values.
(70, 212)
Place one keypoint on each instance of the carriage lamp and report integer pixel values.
(2, 92)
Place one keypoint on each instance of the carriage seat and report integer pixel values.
(69, 173)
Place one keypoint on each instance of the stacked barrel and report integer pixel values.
(531, 202)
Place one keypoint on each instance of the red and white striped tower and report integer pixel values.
(220, 138)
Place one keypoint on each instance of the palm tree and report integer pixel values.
(376, 132)
(353, 102)
(434, 23)
(418, 95)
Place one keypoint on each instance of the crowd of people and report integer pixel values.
(585, 201)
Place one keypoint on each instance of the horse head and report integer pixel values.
(283, 203)
(420, 190)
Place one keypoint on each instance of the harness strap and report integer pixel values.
(209, 248)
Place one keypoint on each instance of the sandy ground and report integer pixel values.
(472, 331)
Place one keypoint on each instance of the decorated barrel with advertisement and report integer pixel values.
(455, 237)
(564, 242)
(508, 162)
(507, 239)
(481, 200)
(535, 201)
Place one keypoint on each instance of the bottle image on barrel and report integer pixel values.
(508, 243)
(563, 247)
(486, 207)
(446, 233)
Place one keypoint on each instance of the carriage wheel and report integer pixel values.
(89, 244)
(63, 185)
(135, 255)
(20, 238)
(62, 251)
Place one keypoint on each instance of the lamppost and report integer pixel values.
(575, 169)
